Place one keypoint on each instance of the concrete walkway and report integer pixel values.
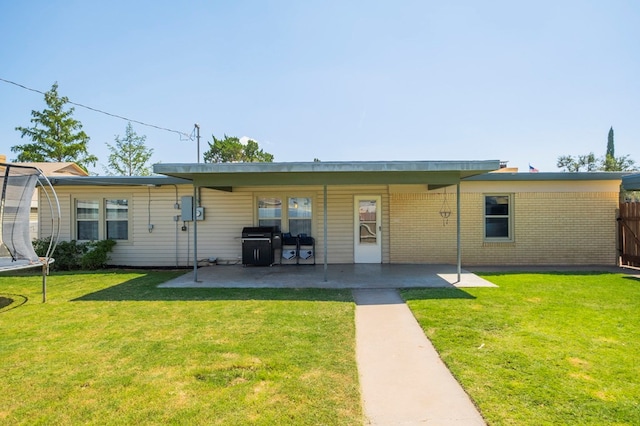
(403, 380)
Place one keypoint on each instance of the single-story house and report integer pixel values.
(357, 212)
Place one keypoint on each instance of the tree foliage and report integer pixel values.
(129, 156)
(611, 163)
(589, 162)
(231, 150)
(569, 163)
(611, 150)
(56, 136)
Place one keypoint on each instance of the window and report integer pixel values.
(102, 218)
(270, 211)
(87, 219)
(296, 218)
(117, 219)
(498, 217)
(299, 216)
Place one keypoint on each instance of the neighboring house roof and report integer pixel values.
(433, 173)
(58, 169)
(631, 182)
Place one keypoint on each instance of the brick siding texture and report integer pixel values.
(548, 229)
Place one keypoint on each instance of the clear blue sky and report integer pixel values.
(519, 81)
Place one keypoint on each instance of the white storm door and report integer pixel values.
(367, 244)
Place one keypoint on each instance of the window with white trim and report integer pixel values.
(102, 218)
(498, 217)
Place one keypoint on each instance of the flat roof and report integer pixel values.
(435, 173)
(116, 181)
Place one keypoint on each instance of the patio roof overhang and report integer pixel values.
(435, 174)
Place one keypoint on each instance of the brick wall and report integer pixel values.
(550, 228)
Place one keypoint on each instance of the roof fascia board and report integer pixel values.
(337, 178)
(547, 176)
(318, 167)
(117, 181)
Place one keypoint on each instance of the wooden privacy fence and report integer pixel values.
(629, 233)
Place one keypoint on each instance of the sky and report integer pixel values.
(523, 82)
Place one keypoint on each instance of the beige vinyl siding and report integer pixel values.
(219, 234)
(143, 248)
(340, 221)
(45, 223)
(166, 244)
(340, 216)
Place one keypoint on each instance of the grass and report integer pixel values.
(112, 348)
(542, 349)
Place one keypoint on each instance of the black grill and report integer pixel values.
(258, 244)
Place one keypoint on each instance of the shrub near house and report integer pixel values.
(73, 255)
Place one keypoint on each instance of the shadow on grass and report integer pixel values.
(146, 289)
(11, 301)
(435, 294)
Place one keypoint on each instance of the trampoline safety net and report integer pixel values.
(17, 184)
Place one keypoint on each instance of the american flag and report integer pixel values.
(533, 169)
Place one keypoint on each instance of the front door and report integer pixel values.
(367, 242)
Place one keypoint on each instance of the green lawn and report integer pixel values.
(542, 349)
(111, 348)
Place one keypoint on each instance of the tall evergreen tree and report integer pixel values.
(129, 155)
(55, 135)
(611, 151)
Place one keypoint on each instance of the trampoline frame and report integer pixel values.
(46, 188)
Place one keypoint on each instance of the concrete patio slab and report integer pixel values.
(338, 276)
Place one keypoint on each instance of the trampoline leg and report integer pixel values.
(44, 283)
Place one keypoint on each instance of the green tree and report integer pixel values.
(569, 163)
(611, 150)
(55, 135)
(611, 163)
(589, 162)
(129, 155)
(231, 150)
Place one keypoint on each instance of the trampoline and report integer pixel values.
(18, 184)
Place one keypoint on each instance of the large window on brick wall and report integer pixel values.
(498, 217)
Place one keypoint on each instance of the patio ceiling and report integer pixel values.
(435, 174)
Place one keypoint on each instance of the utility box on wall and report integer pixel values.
(187, 210)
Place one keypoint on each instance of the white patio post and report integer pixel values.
(459, 260)
(195, 233)
(325, 233)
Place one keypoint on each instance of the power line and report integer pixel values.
(181, 134)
